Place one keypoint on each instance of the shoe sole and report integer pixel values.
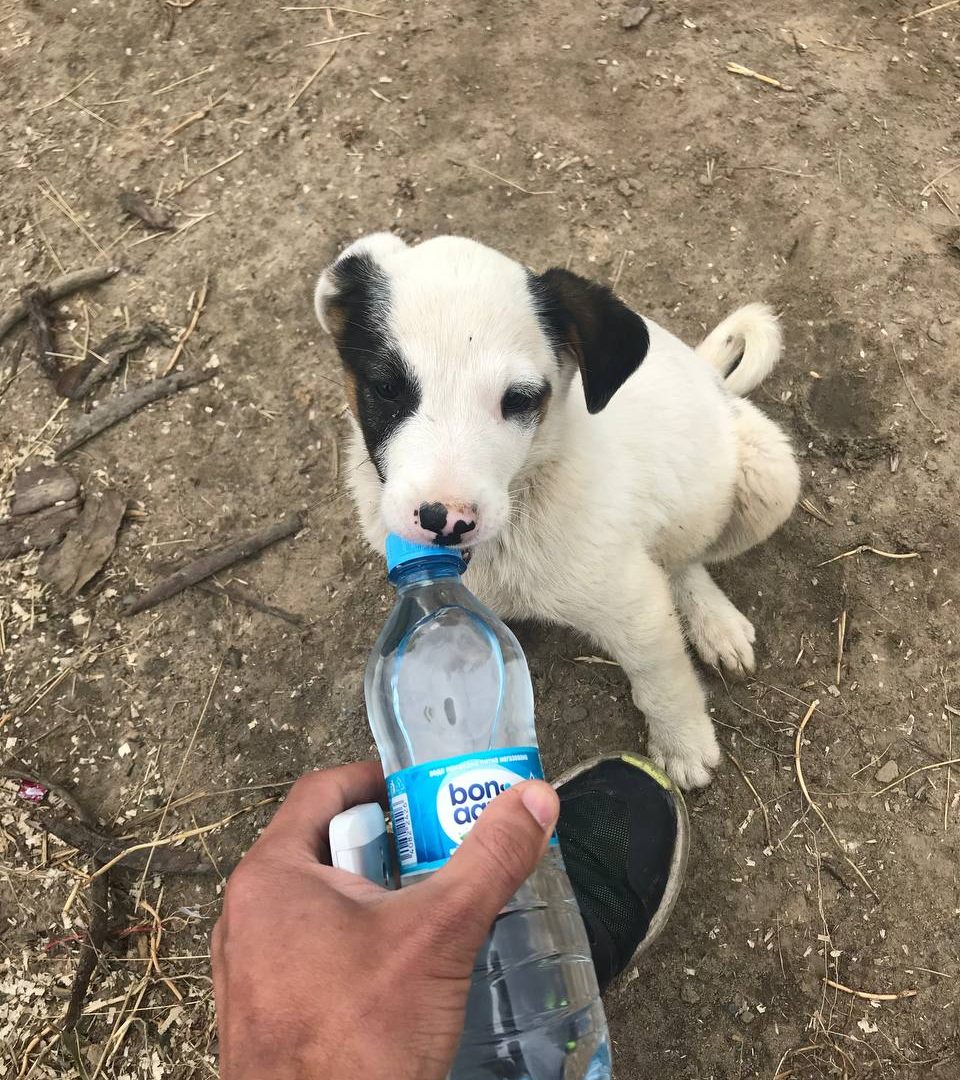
(678, 864)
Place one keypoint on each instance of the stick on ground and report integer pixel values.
(101, 848)
(250, 599)
(214, 561)
(814, 806)
(99, 901)
(57, 290)
(123, 405)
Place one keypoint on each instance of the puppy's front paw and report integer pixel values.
(721, 635)
(688, 759)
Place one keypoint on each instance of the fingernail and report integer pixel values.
(542, 803)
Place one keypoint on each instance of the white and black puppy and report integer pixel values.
(591, 462)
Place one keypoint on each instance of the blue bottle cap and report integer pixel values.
(400, 552)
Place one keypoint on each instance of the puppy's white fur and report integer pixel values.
(600, 522)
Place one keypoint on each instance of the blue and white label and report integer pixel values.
(434, 806)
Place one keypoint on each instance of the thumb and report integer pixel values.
(498, 854)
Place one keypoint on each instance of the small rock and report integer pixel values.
(747, 1016)
(624, 188)
(930, 465)
(689, 995)
(634, 16)
(887, 773)
(935, 333)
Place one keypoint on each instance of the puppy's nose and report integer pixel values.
(449, 522)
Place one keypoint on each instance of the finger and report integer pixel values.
(315, 799)
(497, 856)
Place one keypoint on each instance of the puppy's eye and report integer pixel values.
(387, 389)
(522, 401)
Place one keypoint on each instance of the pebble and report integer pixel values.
(887, 773)
(624, 188)
(634, 16)
(935, 333)
(689, 995)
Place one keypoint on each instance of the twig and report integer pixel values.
(342, 37)
(903, 375)
(756, 795)
(64, 207)
(316, 75)
(871, 997)
(191, 119)
(99, 903)
(776, 169)
(61, 793)
(251, 600)
(810, 508)
(328, 7)
(214, 561)
(497, 176)
(103, 362)
(191, 326)
(123, 405)
(184, 834)
(616, 276)
(41, 325)
(842, 48)
(64, 96)
(100, 847)
(62, 286)
(180, 82)
(182, 187)
(874, 551)
(749, 73)
(936, 180)
(923, 768)
(813, 806)
(841, 637)
(83, 108)
(930, 10)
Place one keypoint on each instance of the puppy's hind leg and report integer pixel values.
(766, 488)
(715, 628)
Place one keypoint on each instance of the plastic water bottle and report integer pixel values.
(450, 704)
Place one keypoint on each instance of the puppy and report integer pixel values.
(591, 464)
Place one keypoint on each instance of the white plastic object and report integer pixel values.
(359, 843)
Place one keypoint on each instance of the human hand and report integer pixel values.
(319, 974)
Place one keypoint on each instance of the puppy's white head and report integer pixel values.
(457, 360)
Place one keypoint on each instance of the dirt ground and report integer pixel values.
(550, 131)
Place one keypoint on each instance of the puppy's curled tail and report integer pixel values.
(745, 347)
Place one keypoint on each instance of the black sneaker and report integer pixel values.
(624, 835)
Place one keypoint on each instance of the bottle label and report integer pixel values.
(435, 805)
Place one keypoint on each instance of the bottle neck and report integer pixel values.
(422, 571)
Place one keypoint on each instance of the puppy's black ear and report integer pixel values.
(608, 340)
(358, 268)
